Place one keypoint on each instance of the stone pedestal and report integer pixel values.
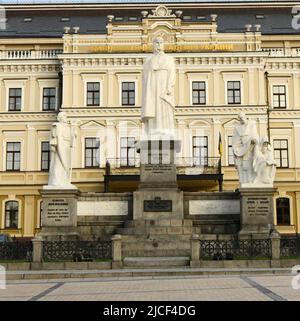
(257, 212)
(158, 196)
(59, 216)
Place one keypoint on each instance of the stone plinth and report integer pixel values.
(158, 168)
(158, 196)
(257, 212)
(59, 216)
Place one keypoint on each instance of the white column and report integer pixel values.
(296, 144)
(251, 87)
(31, 149)
(216, 86)
(67, 89)
(216, 130)
(111, 140)
(261, 87)
(263, 126)
(296, 104)
(181, 137)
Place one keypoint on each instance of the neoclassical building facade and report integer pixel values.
(87, 60)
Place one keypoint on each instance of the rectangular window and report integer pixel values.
(93, 94)
(234, 92)
(199, 92)
(45, 159)
(279, 96)
(92, 152)
(230, 152)
(127, 151)
(200, 150)
(281, 152)
(128, 93)
(15, 99)
(13, 155)
(49, 98)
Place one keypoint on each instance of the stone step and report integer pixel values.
(155, 230)
(155, 253)
(155, 262)
(159, 223)
(159, 237)
(152, 245)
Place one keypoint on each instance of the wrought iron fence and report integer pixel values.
(289, 246)
(234, 249)
(16, 250)
(76, 250)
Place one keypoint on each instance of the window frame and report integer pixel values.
(95, 151)
(198, 92)
(128, 149)
(234, 90)
(15, 97)
(128, 91)
(194, 147)
(279, 96)
(48, 153)
(49, 96)
(93, 92)
(284, 222)
(10, 212)
(13, 152)
(229, 146)
(280, 151)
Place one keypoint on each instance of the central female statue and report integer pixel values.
(158, 92)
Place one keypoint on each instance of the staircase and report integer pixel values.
(156, 243)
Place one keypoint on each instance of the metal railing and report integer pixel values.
(204, 165)
(16, 250)
(235, 249)
(76, 250)
(290, 246)
(30, 54)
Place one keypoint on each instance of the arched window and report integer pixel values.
(11, 214)
(283, 211)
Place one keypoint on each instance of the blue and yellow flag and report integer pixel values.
(220, 146)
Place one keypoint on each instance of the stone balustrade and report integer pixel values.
(30, 54)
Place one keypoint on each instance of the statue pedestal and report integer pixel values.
(59, 215)
(257, 211)
(158, 196)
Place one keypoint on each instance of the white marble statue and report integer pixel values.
(61, 145)
(264, 164)
(244, 140)
(158, 92)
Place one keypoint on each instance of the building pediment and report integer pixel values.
(92, 125)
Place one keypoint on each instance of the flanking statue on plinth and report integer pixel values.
(158, 191)
(256, 170)
(59, 216)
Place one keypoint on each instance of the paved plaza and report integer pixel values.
(185, 288)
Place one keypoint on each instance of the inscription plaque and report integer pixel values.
(157, 205)
(57, 212)
(258, 206)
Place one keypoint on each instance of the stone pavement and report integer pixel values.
(147, 288)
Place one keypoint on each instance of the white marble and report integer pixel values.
(158, 92)
(253, 155)
(218, 207)
(244, 139)
(102, 208)
(61, 145)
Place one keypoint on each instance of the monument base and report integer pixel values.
(158, 196)
(59, 215)
(257, 212)
(158, 204)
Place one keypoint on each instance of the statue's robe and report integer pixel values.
(157, 105)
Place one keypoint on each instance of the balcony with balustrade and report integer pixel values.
(193, 174)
